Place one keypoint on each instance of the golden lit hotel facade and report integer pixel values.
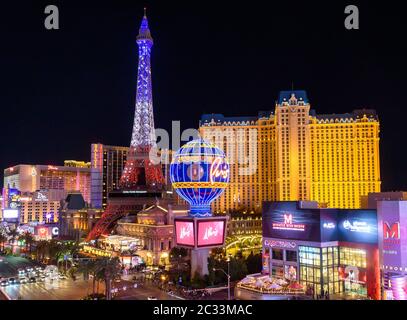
(295, 154)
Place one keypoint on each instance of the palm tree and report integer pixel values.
(87, 268)
(28, 239)
(13, 234)
(110, 269)
(41, 249)
(3, 239)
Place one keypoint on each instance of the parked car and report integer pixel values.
(23, 280)
(32, 280)
(4, 283)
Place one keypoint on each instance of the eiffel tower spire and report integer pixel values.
(139, 172)
(143, 128)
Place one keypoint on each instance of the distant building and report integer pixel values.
(370, 201)
(244, 224)
(75, 218)
(40, 206)
(295, 154)
(31, 178)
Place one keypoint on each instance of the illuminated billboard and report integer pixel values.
(10, 214)
(392, 216)
(357, 226)
(287, 220)
(284, 220)
(211, 232)
(185, 233)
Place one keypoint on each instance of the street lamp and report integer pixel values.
(227, 275)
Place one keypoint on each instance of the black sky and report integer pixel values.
(62, 90)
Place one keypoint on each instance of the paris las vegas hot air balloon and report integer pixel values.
(199, 174)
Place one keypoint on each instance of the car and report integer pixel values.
(152, 298)
(12, 280)
(23, 280)
(4, 283)
(32, 280)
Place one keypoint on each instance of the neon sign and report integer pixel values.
(357, 226)
(218, 169)
(329, 225)
(288, 224)
(391, 232)
(41, 197)
(211, 233)
(279, 243)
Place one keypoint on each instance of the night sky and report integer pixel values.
(63, 90)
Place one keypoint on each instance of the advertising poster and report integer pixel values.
(211, 233)
(357, 226)
(283, 220)
(185, 234)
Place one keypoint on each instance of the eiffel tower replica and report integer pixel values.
(142, 181)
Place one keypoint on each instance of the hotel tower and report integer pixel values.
(295, 154)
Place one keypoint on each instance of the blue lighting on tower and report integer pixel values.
(143, 129)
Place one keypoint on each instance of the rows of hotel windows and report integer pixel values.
(332, 159)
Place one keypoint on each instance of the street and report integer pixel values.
(9, 265)
(69, 289)
(142, 292)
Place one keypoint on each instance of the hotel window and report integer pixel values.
(277, 254)
(291, 255)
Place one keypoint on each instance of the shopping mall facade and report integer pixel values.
(335, 251)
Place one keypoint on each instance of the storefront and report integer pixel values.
(328, 251)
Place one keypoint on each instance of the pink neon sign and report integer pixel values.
(211, 233)
(185, 233)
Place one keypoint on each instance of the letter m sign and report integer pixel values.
(391, 232)
(288, 218)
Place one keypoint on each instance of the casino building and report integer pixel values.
(326, 250)
(293, 154)
(73, 176)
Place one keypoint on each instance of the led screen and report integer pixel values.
(185, 235)
(10, 214)
(283, 220)
(211, 233)
(357, 226)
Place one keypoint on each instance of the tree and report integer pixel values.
(13, 234)
(3, 239)
(253, 263)
(176, 252)
(110, 269)
(41, 249)
(89, 268)
(28, 239)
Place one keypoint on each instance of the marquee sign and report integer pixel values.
(288, 224)
(280, 244)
